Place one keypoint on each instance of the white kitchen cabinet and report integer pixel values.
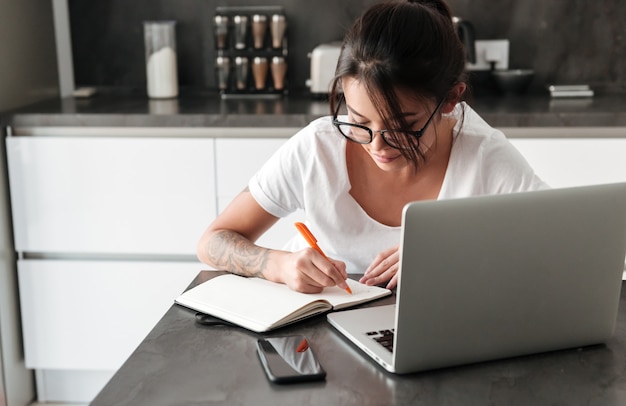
(89, 316)
(106, 231)
(85, 314)
(237, 159)
(564, 162)
(98, 195)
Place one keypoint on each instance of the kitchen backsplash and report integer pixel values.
(564, 41)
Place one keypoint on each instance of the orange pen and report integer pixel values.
(303, 346)
(308, 236)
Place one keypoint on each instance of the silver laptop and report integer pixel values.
(491, 277)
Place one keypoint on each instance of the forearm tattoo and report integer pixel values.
(234, 253)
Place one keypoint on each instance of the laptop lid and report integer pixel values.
(504, 275)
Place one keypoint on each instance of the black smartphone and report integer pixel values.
(289, 359)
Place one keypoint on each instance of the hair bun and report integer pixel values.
(439, 5)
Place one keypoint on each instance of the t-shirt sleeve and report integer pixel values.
(507, 171)
(278, 185)
(483, 161)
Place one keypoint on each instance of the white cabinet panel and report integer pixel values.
(73, 386)
(91, 315)
(110, 195)
(563, 162)
(237, 160)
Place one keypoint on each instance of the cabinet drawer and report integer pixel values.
(111, 195)
(92, 315)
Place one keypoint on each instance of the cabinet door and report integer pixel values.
(237, 159)
(110, 195)
(564, 162)
(92, 314)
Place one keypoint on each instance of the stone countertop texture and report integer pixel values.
(296, 111)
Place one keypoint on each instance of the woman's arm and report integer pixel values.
(228, 243)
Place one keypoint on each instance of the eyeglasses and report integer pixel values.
(364, 135)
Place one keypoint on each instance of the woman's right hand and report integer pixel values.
(228, 243)
(308, 271)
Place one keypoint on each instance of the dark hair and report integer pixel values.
(409, 45)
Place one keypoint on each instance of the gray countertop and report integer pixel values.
(182, 363)
(295, 111)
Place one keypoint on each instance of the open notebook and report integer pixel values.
(260, 305)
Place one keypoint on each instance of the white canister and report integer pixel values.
(161, 68)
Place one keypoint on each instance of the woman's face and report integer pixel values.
(362, 111)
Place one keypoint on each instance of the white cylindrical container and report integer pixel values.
(161, 68)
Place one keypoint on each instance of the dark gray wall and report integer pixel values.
(28, 59)
(565, 41)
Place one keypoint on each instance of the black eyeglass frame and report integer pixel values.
(417, 134)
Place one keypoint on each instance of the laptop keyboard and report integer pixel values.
(383, 337)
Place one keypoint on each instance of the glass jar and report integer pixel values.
(161, 67)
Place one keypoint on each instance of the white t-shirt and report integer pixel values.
(309, 172)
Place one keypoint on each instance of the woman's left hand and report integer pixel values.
(383, 269)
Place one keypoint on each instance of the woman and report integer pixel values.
(398, 133)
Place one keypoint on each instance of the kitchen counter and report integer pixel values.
(180, 362)
(295, 111)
